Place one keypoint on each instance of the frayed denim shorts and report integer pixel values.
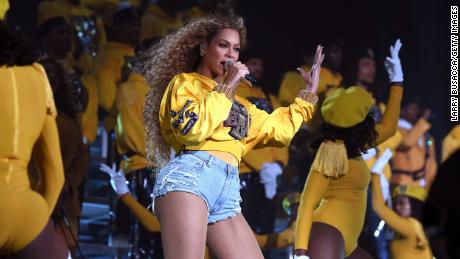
(206, 176)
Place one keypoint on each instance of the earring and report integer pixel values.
(202, 49)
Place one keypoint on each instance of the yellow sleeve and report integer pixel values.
(397, 223)
(389, 124)
(107, 84)
(130, 122)
(290, 86)
(278, 128)
(411, 137)
(313, 192)
(146, 218)
(277, 240)
(194, 116)
(89, 116)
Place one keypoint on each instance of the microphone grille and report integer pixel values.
(228, 63)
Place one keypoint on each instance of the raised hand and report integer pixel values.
(393, 64)
(312, 77)
(117, 179)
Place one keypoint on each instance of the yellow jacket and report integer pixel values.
(341, 202)
(89, 117)
(293, 82)
(157, 23)
(130, 131)
(28, 123)
(49, 9)
(253, 161)
(107, 71)
(451, 143)
(411, 241)
(193, 116)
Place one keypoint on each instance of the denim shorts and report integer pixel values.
(206, 176)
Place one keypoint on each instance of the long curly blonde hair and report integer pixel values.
(174, 54)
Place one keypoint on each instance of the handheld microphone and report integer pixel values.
(247, 79)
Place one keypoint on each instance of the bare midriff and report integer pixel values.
(225, 156)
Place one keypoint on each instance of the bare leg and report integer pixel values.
(326, 242)
(232, 238)
(359, 253)
(47, 244)
(183, 218)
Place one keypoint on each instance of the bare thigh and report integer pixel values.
(48, 244)
(183, 220)
(232, 238)
(326, 242)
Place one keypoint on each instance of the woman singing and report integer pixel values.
(192, 107)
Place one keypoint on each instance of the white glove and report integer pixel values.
(378, 166)
(268, 174)
(370, 154)
(301, 257)
(385, 187)
(393, 64)
(117, 179)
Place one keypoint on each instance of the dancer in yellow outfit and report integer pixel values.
(195, 72)
(27, 123)
(109, 63)
(410, 241)
(331, 213)
(362, 73)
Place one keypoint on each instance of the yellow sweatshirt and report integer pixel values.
(107, 71)
(89, 117)
(130, 131)
(341, 202)
(194, 117)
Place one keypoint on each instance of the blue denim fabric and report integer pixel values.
(206, 176)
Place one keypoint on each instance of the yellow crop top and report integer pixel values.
(194, 117)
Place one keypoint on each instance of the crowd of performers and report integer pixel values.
(198, 151)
